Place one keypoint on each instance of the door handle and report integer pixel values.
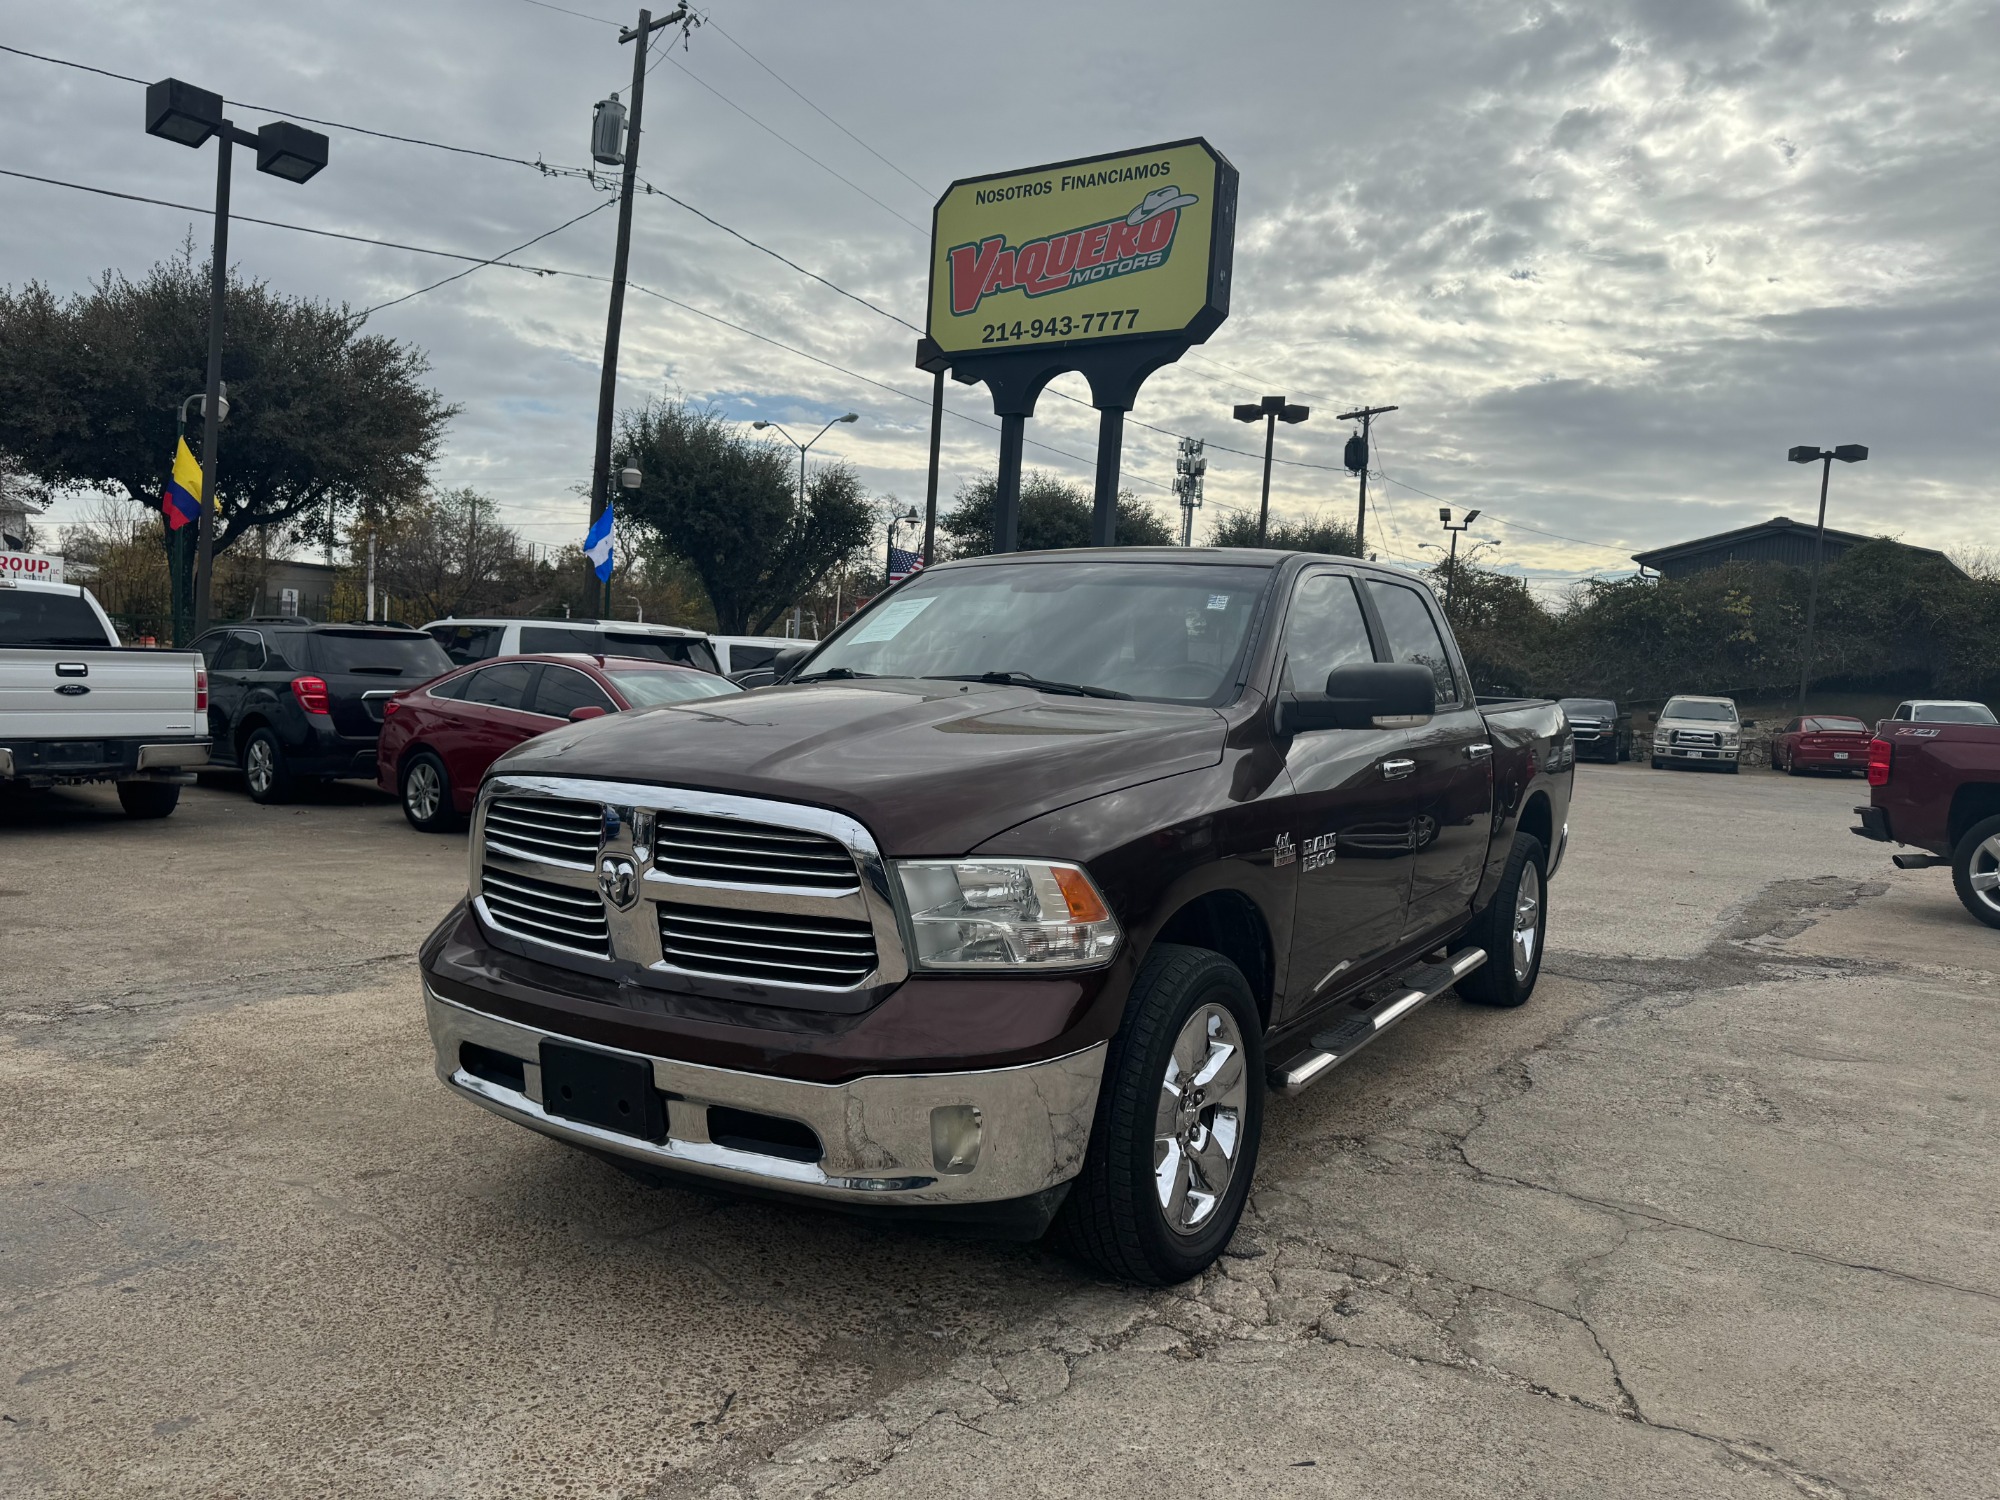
(1396, 770)
(1479, 752)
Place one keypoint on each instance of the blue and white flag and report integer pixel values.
(597, 542)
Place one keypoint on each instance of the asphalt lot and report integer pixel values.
(1715, 1214)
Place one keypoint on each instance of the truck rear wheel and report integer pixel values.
(1179, 1117)
(1511, 930)
(148, 799)
(1975, 870)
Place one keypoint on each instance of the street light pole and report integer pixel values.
(1271, 410)
(1357, 463)
(1847, 453)
(1451, 567)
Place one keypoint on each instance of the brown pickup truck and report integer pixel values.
(1936, 786)
(1008, 904)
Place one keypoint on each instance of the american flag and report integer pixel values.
(902, 564)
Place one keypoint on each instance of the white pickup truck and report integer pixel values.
(77, 706)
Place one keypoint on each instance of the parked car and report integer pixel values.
(1695, 731)
(467, 641)
(1942, 711)
(1936, 787)
(1821, 742)
(76, 706)
(438, 740)
(749, 653)
(292, 701)
(1599, 728)
(1011, 901)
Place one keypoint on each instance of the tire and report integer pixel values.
(1513, 952)
(1190, 1011)
(148, 799)
(426, 790)
(1975, 870)
(264, 770)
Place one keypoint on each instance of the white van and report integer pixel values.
(471, 640)
(746, 653)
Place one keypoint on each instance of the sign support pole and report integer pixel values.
(1110, 446)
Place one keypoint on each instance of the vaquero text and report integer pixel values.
(1076, 257)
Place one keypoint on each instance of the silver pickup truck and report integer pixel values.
(76, 706)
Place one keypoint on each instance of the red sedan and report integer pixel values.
(438, 739)
(1820, 742)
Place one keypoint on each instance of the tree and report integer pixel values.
(728, 506)
(1314, 534)
(1054, 513)
(445, 554)
(324, 420)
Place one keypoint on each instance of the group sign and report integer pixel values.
(1079, 252)
(31, 565)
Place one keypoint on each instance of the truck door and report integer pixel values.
(1352, 822)
(1447, 766)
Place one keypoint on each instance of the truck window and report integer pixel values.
(682, 651)
(1325, 629)
(467, 643)
(504, 686)
(539, 639)
(1413, 634)
(34, 619)
(749, 658)
(562, 689)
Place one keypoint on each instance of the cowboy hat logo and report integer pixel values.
(1140, 240)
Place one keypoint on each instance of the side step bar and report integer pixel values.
(1362, 1022)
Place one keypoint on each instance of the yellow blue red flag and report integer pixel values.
(182, 501)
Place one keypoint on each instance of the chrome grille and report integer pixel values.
(726, 851)
(830, 952)
(1694, 737)
(545, 828)
(568, 916)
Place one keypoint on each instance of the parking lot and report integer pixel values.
(1714, 1214)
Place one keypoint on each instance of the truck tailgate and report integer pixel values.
(129, 693)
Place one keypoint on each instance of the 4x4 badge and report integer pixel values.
(618, 878)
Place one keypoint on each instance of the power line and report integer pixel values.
(581, 16)
(1518, 526)
(499, 259)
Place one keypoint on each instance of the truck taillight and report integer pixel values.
(311, 693)
(1878, 762)
(200, 688)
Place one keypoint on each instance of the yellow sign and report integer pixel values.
(1108, 247)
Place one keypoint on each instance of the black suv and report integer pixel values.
(291, 701)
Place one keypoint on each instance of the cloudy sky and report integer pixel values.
(1611, 258)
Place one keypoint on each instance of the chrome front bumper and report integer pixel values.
(888, 1138)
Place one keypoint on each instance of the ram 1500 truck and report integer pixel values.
(76, 706)
(1936, 787)
(1009, 902)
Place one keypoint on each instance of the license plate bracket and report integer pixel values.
(602, 1089)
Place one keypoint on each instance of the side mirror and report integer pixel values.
(585, 711)
(786, 660)
(1365, 695)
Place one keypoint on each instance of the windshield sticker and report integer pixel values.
(1218, 601)
(889, 621)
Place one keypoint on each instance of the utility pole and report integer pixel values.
(1357, 463)
(371, 574)
(1847, 453)
(1188, 470)
(607, 389)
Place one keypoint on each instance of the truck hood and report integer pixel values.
(928, 767)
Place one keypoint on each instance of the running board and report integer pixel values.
(1360, 1024)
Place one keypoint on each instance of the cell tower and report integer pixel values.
(1188, 470)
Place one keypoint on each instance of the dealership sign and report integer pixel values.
(1130, 246)
(32, 566)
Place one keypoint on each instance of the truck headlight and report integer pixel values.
(1005, 914)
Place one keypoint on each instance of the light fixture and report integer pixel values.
(182, 113)
(290, 151)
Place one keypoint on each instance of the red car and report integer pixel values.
(438, 739)
(1821, 742)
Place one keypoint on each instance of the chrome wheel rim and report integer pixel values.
(259, 768)
(1983, 874)
(421, 791)
(1198, 1128)
(1527, 921)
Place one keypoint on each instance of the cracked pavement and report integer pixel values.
(1714, 1214)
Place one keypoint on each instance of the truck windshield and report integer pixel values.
(1954, 713)
(1589, 708)
(48, 620)
(1167, 632)
(1689, 708)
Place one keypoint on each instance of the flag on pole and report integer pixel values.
(181, 502)
(597, 542)
(902, 564)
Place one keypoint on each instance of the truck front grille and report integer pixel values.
(546, 828)
(568, 916)
(728, 852)
(829, 952)
(1695, 737)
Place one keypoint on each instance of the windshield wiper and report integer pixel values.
(834, 674)
(1039, 684)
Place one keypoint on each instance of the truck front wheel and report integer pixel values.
(1511, 930)
(1975, 870)
(1179, 1117)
